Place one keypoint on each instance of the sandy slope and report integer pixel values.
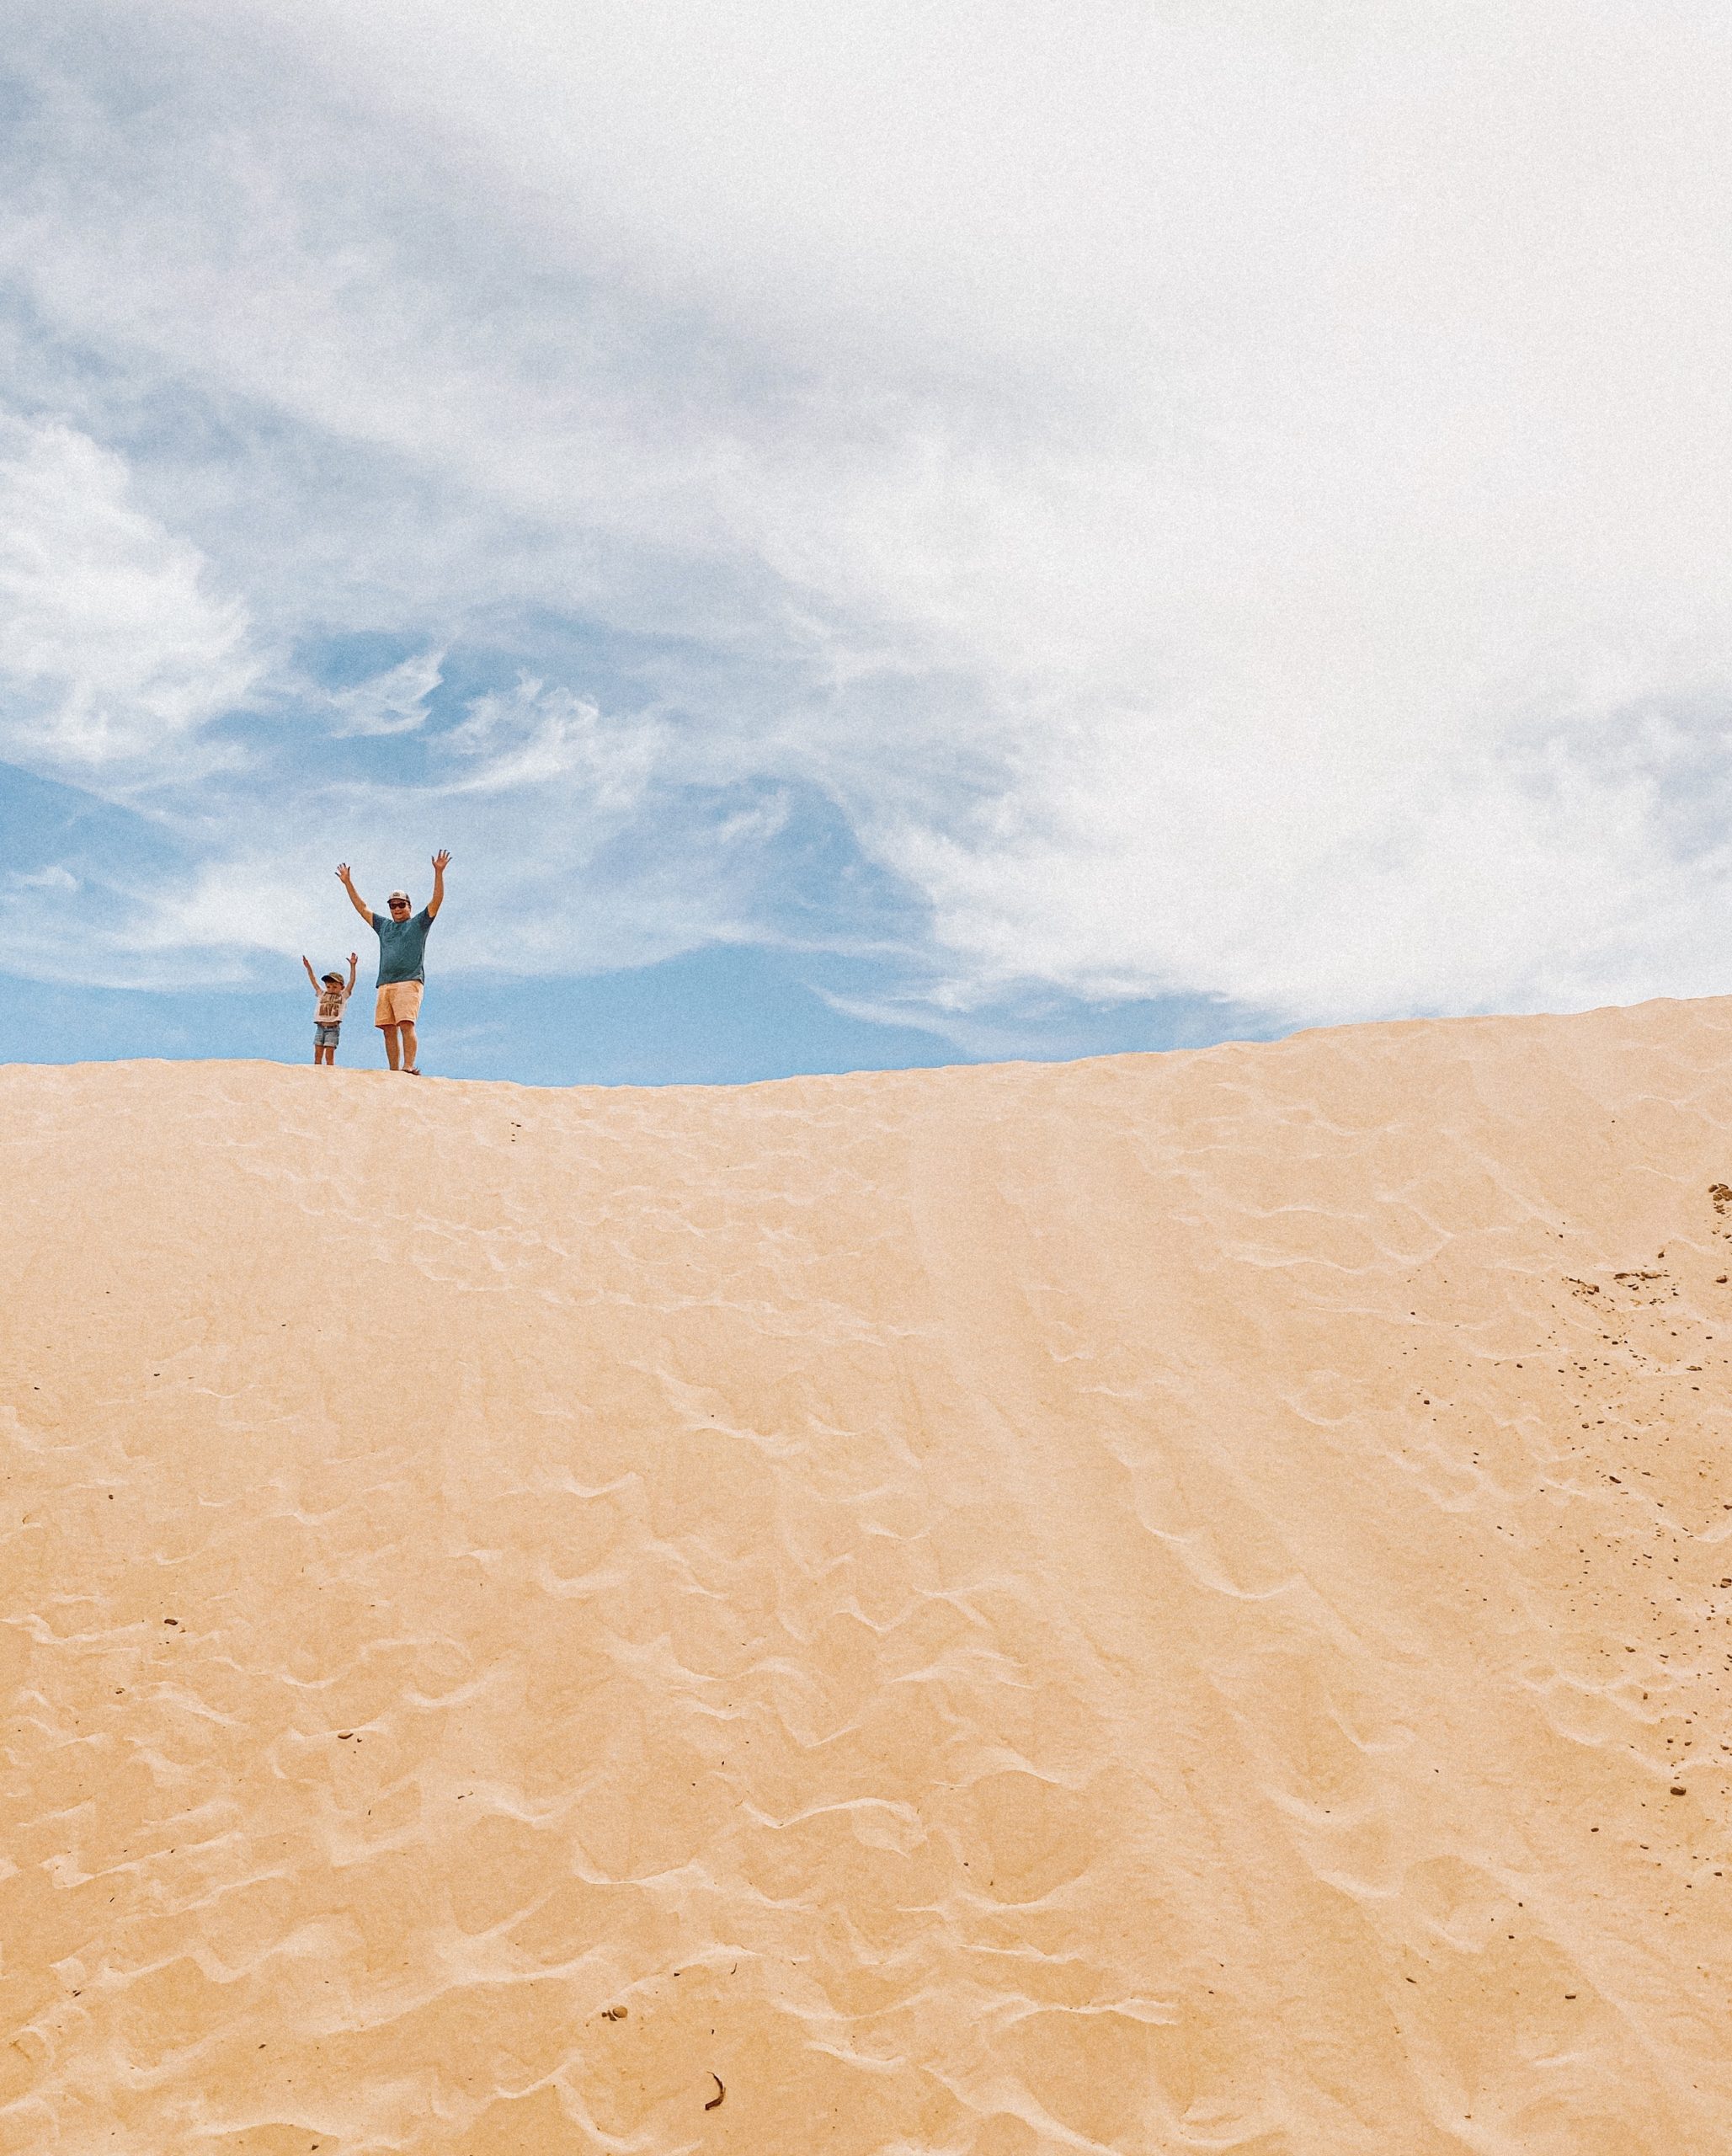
(1160, 1604)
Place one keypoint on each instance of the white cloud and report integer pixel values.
(112, 646)
(532, 735)
(394, 702)
(1230, 501)
(52, 878)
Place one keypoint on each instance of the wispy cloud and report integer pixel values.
(394, 702)
(532, 736)
(114, 648)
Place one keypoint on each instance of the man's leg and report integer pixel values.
(392, 1051)
(407, 1031)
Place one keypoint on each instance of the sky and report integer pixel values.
(876, 534)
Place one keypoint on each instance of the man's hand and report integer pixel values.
(356, 900)
(441, 862)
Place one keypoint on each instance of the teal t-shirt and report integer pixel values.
(401, 945)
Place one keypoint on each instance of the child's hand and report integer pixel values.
(355, 958)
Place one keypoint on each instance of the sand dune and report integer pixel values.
(1164, 1603)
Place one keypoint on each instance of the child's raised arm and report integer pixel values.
(311, 974)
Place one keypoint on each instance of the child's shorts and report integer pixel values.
(326, 1036)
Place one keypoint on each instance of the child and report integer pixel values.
(328, 1018)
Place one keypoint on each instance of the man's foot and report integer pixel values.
(411, 1070)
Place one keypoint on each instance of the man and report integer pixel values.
(403, 944)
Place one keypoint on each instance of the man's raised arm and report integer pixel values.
(356, 900)
(441, 862)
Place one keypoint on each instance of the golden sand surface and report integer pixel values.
(1163, 1604)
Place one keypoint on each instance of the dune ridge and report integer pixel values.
(1163, 1604)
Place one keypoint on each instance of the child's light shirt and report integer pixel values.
(331, 1003)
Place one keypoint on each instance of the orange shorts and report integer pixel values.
(399, 1003)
